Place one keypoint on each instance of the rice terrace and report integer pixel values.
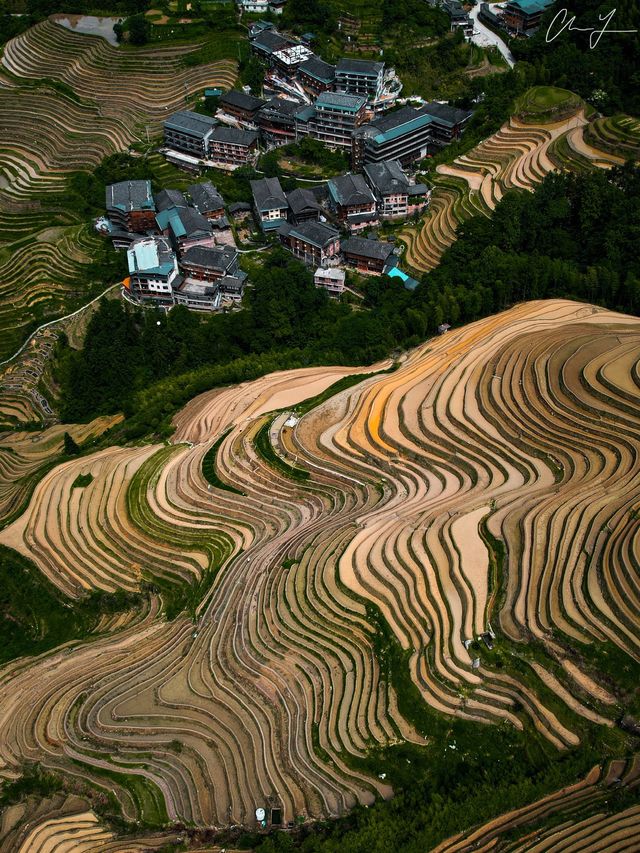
(319, 428)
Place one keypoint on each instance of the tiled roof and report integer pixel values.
(367, 248)
(129, 196)
(348, 190)
(193, 124)
(268, 194)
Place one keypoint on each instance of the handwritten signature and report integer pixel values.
(560, 24)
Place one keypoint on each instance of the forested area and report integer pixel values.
(575, 237)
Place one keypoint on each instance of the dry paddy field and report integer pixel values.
(86, 99)
(522, 428)
(518, 156)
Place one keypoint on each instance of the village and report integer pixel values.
(183, 248)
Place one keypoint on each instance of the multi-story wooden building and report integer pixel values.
(353, 202)
(368, 256)
(207, 200)
(313, 243)
(396, 196)
(270, 203)
(131, 206)
(303, 206)
(524, 16)
(233, 146)
(185, 228)
(209, 263)
(316, 76)
(241, 106)
(447, 123)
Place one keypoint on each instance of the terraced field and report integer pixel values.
(397, 491)
(86, 99)
(575, 818)
(518, 156)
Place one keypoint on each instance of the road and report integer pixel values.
(484, 37)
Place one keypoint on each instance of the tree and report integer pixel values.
(139, 29)
(71, 448)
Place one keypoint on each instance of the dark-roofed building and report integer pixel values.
(316, 76)
(447, 123)
(403, 135)
(337, 116)
(233, 146)
(130, 206)
(303, 206)
(241, 106)
(360, 77)
(258, 27)
(153, 271)
(197, 295)
(353, 202)
(209, 263)
(311, 242)
(277, 121)
(185, 227)
(232, 286)
(524, 16)
(169, 198)
(396, 196)
(368, 256)
(458, 16)
(189, 132)
(266, 43)
(207, 200)
(270, 203)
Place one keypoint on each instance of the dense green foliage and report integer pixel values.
(209, 470)
(575, 237)
(35, 616)
(606, 74)
(262, 444)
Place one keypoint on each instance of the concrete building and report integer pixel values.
(130, 206)
(331, 279)
(267, 42)
(403, 135)
(460, 20)
(153, 271)
(396, 196)
(311, 242)
(197, 295)
(353, 202)
(360, 77)
(368, 256)
(337, 116)
(270, 203)
(189, 132)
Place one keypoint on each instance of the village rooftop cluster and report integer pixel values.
(342, 106)
(181, 248)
